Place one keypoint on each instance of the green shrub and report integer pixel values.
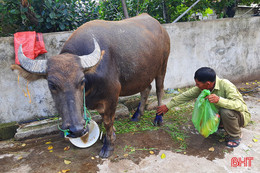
(45, 15)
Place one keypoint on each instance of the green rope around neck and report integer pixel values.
(86, 118)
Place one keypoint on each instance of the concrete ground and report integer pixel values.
(49, 153)
(248, 150)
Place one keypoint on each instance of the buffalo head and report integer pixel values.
(65, 74)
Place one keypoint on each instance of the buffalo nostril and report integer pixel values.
(76, 131)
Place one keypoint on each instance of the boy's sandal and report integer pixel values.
(235, 143)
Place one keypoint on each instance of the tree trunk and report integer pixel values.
(29, 14)
(165, 12)
(125, 9)
(137, 12)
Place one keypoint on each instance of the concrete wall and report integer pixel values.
(14, 105)
(230, 46)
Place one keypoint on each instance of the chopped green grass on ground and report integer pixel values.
(127, 126)
(173, 123)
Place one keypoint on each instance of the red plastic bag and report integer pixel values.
(32, 42)
(39, 47)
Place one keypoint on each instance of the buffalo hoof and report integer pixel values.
(135, 117)
(107, 149)
(158, 120)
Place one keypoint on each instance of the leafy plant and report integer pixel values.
(64, 15)
(45, 15)
(10, 17)
(110, 10)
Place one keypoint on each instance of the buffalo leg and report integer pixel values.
(159, 88)
(108, 120)
(140, 110)
(159, 92)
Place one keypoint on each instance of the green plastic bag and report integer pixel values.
(205, 115)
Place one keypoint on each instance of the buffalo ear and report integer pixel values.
(27, 75)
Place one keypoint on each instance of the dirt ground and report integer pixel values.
(53, 154)
(35, 155)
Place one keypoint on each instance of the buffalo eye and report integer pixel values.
(52, 86)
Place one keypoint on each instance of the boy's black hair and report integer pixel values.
(205, 74)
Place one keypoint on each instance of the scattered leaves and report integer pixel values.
(64, 171)
(179, 138)
(221, 140)
(242, 89)
(163, 156)
(255, 140)
(67, 162)
(225, 151)
(48, 143)
(50, 147)
(151, 152)
(67, 148)
(179, 150)
(212, 149)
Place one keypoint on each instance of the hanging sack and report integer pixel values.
(32, 44)
(39, 47)
(205, 115)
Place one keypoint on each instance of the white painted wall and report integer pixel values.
(230, 46)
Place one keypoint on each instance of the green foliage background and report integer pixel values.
(64, 15)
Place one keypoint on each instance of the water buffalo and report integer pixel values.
(108, 59)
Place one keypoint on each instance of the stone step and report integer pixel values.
(50, 126)
(7, 130)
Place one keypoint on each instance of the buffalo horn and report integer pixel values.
(88, 61)
(32, 66)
